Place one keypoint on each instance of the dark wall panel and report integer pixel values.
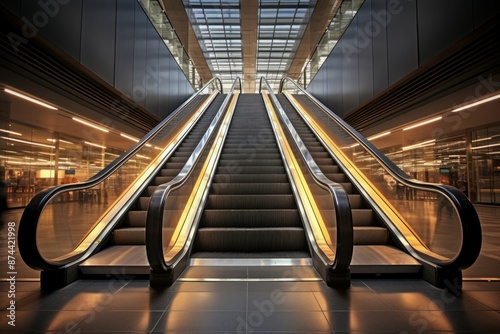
(350, 56)
(435, 34)
(14, 6)
(380, 62)
(152, 80)
(485, 10)
(335, 76)
(365, 36)
(163, 93)
(98, 37)
(124, 55)
(60, 23)
(140, 56)
(402, 39)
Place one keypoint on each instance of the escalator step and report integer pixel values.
(363, 217)
(249, 178)
(250, 202)
(251, 161)
(250, 239)
(130, 236)
(251, 218)
(370, 235)
(250, 188)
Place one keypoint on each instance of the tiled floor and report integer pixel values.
(128, 305)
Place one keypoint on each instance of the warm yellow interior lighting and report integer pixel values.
(95, 145)
(27, 142)
(423, 123)
(379, 135)
(27, 98)
(470, 105)
(89, 124)
(129, 137)
(11, 132)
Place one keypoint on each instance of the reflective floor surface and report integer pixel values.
(273, 305)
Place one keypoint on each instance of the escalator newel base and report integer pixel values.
(54, 280)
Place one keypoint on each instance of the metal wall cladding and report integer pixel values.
(388, 40)
(116, 41)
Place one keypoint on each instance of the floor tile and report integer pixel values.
(209, 301)
(276, 300)
(345, 301)
(40, 321)
(202, 322)
(118, 321)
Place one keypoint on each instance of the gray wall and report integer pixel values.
(115, 40)
(388, 40)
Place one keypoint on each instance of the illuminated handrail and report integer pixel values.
(123, 175)
(333, 241)
(163, 249)
(460, 254)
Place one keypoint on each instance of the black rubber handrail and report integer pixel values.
(27, 234)
(154, 222)
(343, 249)
(469, 220)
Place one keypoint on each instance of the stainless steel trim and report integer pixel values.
(251, 262)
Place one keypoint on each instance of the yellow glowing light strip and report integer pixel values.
(380, 135)
(89, 124)
(313, 213)
(188, 215)
(423, 123)
(11, 132)
(467, 106)
(27, 142)
(391, 213)
(129, 137)
(95, 145)
(27, 98)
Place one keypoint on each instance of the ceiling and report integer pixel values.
(250, 39)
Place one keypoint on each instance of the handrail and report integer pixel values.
(469, 221)
(155, 248)
(343, 248)
(28, 227)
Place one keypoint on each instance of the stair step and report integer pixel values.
(251, 218)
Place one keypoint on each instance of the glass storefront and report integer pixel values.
(469, 162)
(32, 159)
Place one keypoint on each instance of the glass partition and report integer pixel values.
(424, 216)
(92, 207)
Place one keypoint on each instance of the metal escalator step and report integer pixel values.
(136, 218)
(370, 235)
(251, 218)
(337, 177)
(356, 201)
(324, 161)
(143, 203)
(250, 202)
(273, 239)
(130, 236)
(250, 188)
(251, 161)
(331, 169)
(382, 259)
(363, 217)
(249, 178)
(250, 156)
(168, 172)
(347, 187)
(250, 169)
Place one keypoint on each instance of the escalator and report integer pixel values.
(126, 251)
(374, 250)
(396, 221)
(250, 211)
(97, 226)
